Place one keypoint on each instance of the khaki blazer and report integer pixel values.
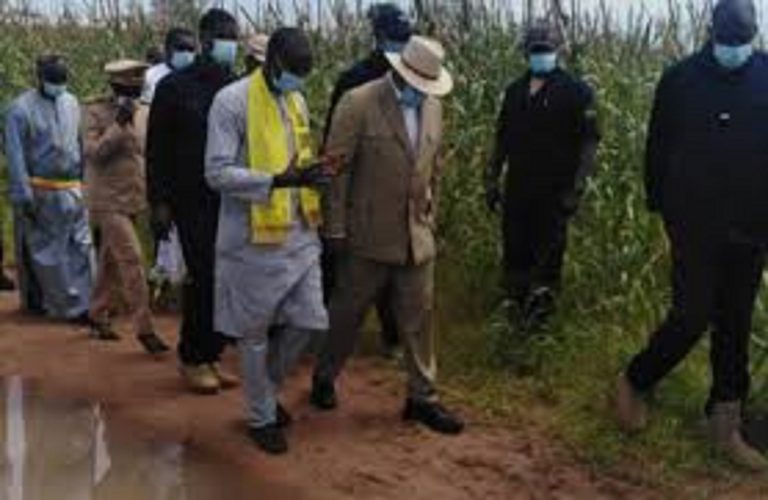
(385, 201)
(114, 159)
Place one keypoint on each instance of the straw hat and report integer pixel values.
(256, 47)
(126, 72)
(421, 65)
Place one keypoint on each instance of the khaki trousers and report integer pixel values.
(120, 272)
(411, 287)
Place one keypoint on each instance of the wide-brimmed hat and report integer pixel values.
(256, 47)
(126, 72)
(421, 65)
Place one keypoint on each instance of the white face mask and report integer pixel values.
(224, 52)
(180, 59)
(54, 90)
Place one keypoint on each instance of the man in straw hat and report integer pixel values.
(45, 168)
(547, 136)
(706, 176)
(116, 193)
(381, 216)
(391, 30)
(261, 159)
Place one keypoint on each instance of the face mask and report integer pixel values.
(542, 64)
(411, 98)
(182, 58)
(224, 52)
(289, 82)
(54, 90)
(391, 46)
(733, 56)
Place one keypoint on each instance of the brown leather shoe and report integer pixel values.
(200, 379)
(227, 380)
(725, 433)
(631, 408)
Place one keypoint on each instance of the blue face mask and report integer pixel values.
(54, 90)
(542, 64)
(411, 98)
(180, 59)
(224, 52)
(391, 46)
(733, 56)
(289, 82)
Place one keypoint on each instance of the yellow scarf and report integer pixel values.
(268, 154)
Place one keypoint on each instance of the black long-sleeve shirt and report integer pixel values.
(176, 137)
(371, 68)
(547, 140)
(707, 152)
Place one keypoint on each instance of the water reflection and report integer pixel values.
(59, 450)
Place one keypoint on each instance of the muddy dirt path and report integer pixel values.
(361, 451)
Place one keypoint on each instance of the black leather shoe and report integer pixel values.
(6, 283)
(432, 415)
(323, 396)
(284, 419)
(269, 438)
(152, 343)
(102, 331)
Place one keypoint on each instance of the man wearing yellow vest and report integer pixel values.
(260, 158)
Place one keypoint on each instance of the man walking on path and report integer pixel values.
(547, 136)
(260, 158)
(45, 168)
(391, 29)
(178, 192)
(180, 51)
(706, 176)
(381, 216)
(116, 194)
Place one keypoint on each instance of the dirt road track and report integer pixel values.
(361, 451)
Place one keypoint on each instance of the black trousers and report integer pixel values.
(535, 235)
(714, 287)
(384, 308)
(197, 227)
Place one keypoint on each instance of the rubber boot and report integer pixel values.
(631, 408)
(725, 433)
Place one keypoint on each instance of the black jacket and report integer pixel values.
(176, 137)
(369, 69)
(707, 152)
(548, 140)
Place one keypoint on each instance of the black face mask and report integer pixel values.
(131, 91)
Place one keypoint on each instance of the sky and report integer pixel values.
(621, 7)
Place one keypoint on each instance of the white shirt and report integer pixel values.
(151, 78)
(411, 116)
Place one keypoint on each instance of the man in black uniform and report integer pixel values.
(707, 176)
(391, 29)
(178, 192)
(547, 136)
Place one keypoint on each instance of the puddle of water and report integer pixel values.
(63, 450)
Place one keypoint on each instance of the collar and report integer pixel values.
(398, 92)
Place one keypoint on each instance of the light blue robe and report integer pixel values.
(54, 249)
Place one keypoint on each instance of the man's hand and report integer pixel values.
(493, 198)
(161, 221)
(125, 111)
(316, 175)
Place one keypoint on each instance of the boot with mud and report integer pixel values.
(6, 283)
(631, 407)
(201, 379)
(227, 380)
(102, 330)
(725, 433)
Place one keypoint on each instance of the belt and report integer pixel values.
(54, 184)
